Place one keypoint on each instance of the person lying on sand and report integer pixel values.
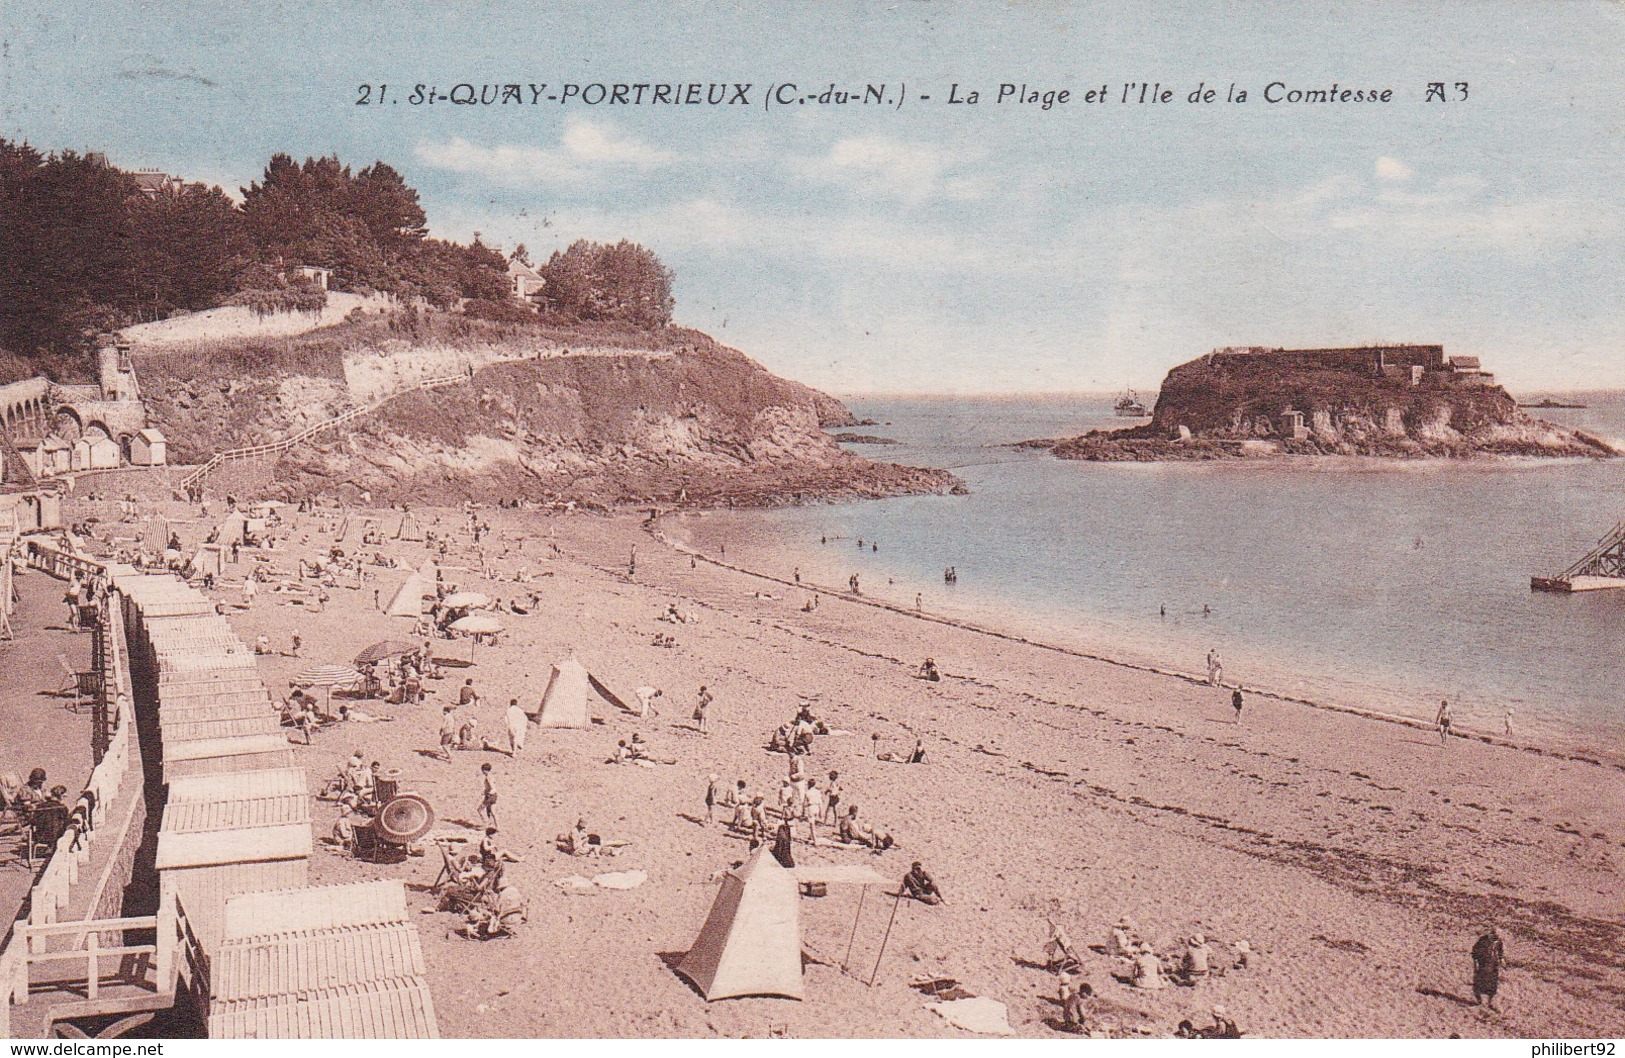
(855, 832)
(917, 756)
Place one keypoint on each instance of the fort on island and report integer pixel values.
(1392, 400)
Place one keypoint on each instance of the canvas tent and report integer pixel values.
(750, 944)
(564, 703)
(408, 598)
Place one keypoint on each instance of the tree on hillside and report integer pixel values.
(595, 281)
(69, 255)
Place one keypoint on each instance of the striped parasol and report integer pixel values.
(385, 648)
(327, 675)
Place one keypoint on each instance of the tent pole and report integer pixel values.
(853, 938)
(886, 938)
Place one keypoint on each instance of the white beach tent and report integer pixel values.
(564, 703)
(750, 944)
(408, 599)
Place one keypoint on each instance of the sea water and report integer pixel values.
(1381, 584)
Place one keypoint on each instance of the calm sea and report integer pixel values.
(1387, 585)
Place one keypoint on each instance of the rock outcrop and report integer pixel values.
(1397, 401)
(672, 417)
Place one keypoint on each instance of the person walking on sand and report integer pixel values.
(251, 588)
(1235, 703)
(1443, 722)
(1215, 668)
(701, 707)
(448, 732)
(1508, 721)
(518, 724)
(1489, 955)
(488, 795)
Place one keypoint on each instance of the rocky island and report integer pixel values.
(1398, 401)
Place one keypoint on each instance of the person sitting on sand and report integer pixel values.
(928, 671)
(577, 842)
(349, 818)
(918, 885)
(1222, 1028)
(1148, 970)
(1193, 969)
(1071, 1000)
(1125, 938)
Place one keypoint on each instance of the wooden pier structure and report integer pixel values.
(1601, 567)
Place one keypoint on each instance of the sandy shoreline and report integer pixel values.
(1125, 659)
(1357, 857)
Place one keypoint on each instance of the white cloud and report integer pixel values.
(586, 149)
(913, 172)
(1392, 169)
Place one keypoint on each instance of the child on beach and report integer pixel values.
(701, 707)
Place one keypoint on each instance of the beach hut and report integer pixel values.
(56, 456)
(750, 944)
(32, 453)
(94, 452)
(149, 449)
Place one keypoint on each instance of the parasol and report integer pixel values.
(466, 600)
(327, 676)
(386, 648)
(476, 625)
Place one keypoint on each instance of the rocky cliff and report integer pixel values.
(1226, 406)
(598, 417)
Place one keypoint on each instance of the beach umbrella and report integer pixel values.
(476, 625)
(386, 648)
(466, 600)
(327, 676)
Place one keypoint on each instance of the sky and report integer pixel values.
(937, 246)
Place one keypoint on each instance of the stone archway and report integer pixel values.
(67, 425)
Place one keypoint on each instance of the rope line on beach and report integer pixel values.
(1369, 714)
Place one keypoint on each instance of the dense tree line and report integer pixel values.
(84, 248)
(595, 281)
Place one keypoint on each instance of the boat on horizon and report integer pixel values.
(1129, 406)
(1550, 402)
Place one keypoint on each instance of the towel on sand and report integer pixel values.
(979, 1014)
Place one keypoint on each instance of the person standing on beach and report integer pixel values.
(1508, 720)
(1443, 722)
(919, 601)
(448, 731)
(714, 795)
(1489, 955)
(1215, 668)
(701, 706)
(1235, 703)
(488, 796)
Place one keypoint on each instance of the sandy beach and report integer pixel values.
(1357, 857)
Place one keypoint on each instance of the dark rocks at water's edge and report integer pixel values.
(863, 439)
(1401, 402)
